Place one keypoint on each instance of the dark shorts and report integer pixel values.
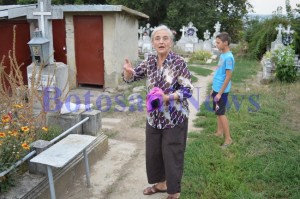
(220, 106)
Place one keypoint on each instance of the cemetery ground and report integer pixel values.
(263, 162)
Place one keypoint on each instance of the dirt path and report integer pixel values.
(121, 173)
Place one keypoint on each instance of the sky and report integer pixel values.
(268, 6)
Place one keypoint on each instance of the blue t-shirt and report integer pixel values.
(226, 62)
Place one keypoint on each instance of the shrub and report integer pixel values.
(200, 56)
(285, 65)
(240, 50)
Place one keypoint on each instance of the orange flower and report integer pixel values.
(13, 133)
(25, 146)
(25, 128)
(18, 105)
(45, 129)
(6, 118)
(2, 135)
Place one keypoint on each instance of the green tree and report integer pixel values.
(260, 35)
(294, 18)
(203, 13)
(8, 2)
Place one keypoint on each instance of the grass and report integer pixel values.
(200, 70)
(264, 160)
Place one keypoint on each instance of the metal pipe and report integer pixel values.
(3, 173)
(51, 182)
(68, 130)
(87, 169)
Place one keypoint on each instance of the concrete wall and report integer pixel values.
(70, 45)
(120, 40)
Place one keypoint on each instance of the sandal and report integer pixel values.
(224, 146)
(153, 190)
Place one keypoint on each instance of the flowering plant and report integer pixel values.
(19, 124)
(16, 134)
(286, 70)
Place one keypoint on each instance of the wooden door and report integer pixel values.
(22, 51)
(88, 32)
(59, 40)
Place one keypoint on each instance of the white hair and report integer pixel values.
(162, 27)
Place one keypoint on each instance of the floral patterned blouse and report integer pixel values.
(173, 76)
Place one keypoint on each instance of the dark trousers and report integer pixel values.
(165, 155)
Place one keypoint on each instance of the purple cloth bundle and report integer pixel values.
(154, 99)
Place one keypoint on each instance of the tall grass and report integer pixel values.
(19, 125)
(264, 160)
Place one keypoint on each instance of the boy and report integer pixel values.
(221, 86)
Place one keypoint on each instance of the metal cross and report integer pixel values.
(42, 14)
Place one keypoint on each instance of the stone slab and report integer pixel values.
(64, 151)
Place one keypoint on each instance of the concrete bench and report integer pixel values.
(61, 153)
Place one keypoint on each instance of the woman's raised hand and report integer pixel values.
(128, 70)
(128, 67)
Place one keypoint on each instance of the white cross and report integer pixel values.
(288, 30)
(182, 30)
(217, 26)
(206, 35)
(141, 31)
(279, 28)
(190, 25)
(42, 14)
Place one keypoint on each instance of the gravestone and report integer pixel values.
(287, 38)
(49, 80)
(207, 42)
(51, 83)
(144, 43)
(189, 40)
(217, 28)
(44, 13)
(268, 68)
(278, 42)
(140, 42)
(283, 38)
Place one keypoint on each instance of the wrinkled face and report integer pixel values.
(220, 44)
(162, 42)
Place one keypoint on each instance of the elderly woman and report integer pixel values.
(169, 79)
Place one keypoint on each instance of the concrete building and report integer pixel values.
(92, 40)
